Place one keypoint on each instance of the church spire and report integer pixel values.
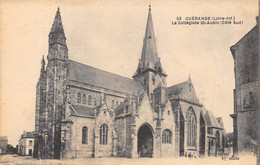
(149, 70)
(149, 57)
(57, 35)
(57, 23)
(57, 40)
(149, 52)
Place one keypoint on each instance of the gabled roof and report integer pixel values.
(184, 90)
(93, 76)
(211, 120)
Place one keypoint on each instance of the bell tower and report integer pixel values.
(56, 79)
(149, 71)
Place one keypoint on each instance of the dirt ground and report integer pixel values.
(26, 160)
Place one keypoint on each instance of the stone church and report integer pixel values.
(82, 111)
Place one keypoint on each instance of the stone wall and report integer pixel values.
(168, 122)
(78, 149)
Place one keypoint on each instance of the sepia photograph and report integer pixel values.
(129, 82)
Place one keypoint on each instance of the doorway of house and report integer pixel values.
(30, 152)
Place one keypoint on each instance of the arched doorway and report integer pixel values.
(145, 141)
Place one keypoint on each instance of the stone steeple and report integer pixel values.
(57, 40)
(149, 57)
(149, 71)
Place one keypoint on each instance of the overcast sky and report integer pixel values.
(108, 35)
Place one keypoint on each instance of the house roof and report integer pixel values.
(27, 135)
(93, 76)
(30, 134)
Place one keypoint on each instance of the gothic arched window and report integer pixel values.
(217, 139)
(79, 98)
(89, 100)
(84, 99)
(85, 135)
(103, 134)
(192, 128)
(167, 136)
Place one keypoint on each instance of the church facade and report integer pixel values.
(82, 111)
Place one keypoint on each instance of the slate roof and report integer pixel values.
(30, 134)
(176, 89)
(93, 76)
(211, 120)
(184, 90)
(220, 121)
(83, 110)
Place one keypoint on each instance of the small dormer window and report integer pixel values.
(168, 112)
(190, 86)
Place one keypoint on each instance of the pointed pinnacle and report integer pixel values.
(43, 58)
(149, 6)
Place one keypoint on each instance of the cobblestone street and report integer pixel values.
(26, 160)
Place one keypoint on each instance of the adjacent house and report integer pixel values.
(26, 144)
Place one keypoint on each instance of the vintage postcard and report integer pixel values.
(129, 82)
